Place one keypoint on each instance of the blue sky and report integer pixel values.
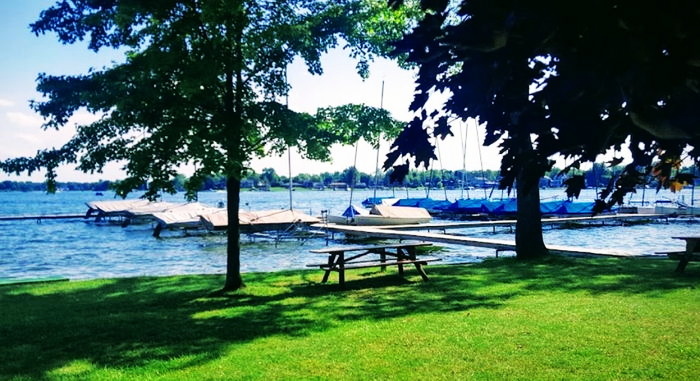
(25, 55)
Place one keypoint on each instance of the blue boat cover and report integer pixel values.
(509, 206)
(551, 207)
(468, 206)
(352, 211)
(570, 207)
(409, 202)
(435, 205)
(427, 203)
(372, 201)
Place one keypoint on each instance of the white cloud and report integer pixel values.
(82, 117)
(24, 119)
(6, 103)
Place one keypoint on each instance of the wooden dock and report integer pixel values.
(508, 223)
(42, 217)
(407, 232)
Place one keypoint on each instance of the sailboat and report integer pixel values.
(381, 213)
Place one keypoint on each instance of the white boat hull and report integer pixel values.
(375, 220)
(382, 220)
(385, 215)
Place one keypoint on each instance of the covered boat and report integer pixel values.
(112, 208)
(573, 208)
(129, 211)
(372, 201)
(502, 208)
(182, 216)
(468, 206)
(347, 217)
(390, 215)
(432, 206)
(259, 220)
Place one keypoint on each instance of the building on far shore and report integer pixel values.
(339, 186)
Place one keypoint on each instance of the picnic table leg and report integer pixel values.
(689, 249)
(400, 256)
(331, 261)
(419, 267)
(341, 269)
(681, 264)
(382, 259)
(421, 271)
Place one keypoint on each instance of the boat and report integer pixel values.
(431, 205)
(144, 213)
(166, 214)
(114, 208)
(473, 206)
(675, 208)
(185, 216)
(348, 215)
(369, 202)
(383, 215)
(259, 220)
(509, 207)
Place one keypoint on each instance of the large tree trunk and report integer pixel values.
(528, 228)
(234, 281)
(233, 104)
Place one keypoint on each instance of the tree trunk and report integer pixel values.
(528, 228)
(233, 103)
(234, 281)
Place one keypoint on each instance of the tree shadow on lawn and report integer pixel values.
(119, 323)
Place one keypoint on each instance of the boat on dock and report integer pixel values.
(185, 216)
(259, 220)
(480, 208)
(369, 202)
(113, 208)
(382, 215)
(129, 211)
(429, 204)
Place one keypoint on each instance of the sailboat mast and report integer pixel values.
(481, 160)
(352, 174)
(289, 149)
(289, 164)
(376, 164)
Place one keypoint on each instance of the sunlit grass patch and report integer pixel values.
(555, 318)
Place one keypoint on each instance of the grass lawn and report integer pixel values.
(557, 318)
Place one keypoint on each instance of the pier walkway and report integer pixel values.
(407, 232)
(545, 221)
(42, 217)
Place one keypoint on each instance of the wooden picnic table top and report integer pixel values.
(339, 249)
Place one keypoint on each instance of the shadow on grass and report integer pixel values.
(132, 322)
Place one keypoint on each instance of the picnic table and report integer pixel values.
(691, 252)
(389, 255)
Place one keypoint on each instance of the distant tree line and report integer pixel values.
(598, 176)
(28, 186)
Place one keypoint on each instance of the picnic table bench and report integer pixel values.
(389, 255)
(691, 252)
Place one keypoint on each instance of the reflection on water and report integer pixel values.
(80, 249)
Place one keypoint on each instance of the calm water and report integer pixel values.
(80, 249)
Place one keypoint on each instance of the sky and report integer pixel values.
(23, 56)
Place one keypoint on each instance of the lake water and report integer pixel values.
(81, 249)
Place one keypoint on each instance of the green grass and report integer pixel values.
(557, 318)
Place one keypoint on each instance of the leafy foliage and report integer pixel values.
(549, 77)
(200, 85)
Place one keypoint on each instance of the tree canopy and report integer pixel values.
(551, 77)
(202, 84)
